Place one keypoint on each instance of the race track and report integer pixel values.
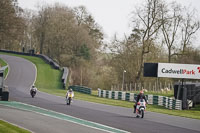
(22, 75)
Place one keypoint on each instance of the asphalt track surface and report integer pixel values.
(22, 75)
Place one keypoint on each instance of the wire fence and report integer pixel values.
(147, 86)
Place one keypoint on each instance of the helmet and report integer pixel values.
(70, 90)
(141, 92)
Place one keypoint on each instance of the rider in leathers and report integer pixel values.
(139, 96)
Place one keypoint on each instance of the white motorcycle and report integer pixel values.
(140, 108)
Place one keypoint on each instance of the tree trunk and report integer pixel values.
(169, 55)
(141, 66)
(41, 42)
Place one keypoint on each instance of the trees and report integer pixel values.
(86, 19)
(171, 23)
(148, 22)
(178, 27)
(155, 23)
(11, 25)
(40, 26)
(190, 26)
(70, 36)
(29, 41)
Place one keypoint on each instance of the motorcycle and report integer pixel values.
(140, 108)
(69, 99)
(33, 92)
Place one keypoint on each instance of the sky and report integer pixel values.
(114, 16)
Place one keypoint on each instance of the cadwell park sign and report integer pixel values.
(172, 70)
(189, 92)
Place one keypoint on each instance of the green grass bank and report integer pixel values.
(9, 128)
(3, 63)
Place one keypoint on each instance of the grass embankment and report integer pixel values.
(48, 80)
(9, 128)
(3, 63)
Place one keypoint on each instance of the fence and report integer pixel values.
(167, 102)
(152, 86)
(81, 89)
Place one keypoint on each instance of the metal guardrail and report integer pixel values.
(167, 102)
(44, 57)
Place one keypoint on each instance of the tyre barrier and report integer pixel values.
(167, 102)
(4, 93)
(5, 96)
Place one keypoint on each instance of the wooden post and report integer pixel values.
(150, 86)
(160, 86)
(135, 86)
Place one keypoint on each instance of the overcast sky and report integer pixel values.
(112, 15)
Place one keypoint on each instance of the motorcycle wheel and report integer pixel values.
(32, 94)
(142, 113)
(69, 101)
(66, 101)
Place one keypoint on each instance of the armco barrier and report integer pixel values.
(48, 60)
(83, 89)
(155, 100)
(44, 57)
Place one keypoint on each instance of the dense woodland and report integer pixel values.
(161, 32)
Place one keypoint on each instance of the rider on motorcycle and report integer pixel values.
(139, 96)
(33, 91)
(70, 93)
(33, 88)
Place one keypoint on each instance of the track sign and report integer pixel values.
(172, 70)
(150, 70)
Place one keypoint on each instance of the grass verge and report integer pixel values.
(9, 128)
(3, 63)
(48, 80)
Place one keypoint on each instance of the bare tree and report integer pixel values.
(170, 26)
(189, 27)
(149, 22)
